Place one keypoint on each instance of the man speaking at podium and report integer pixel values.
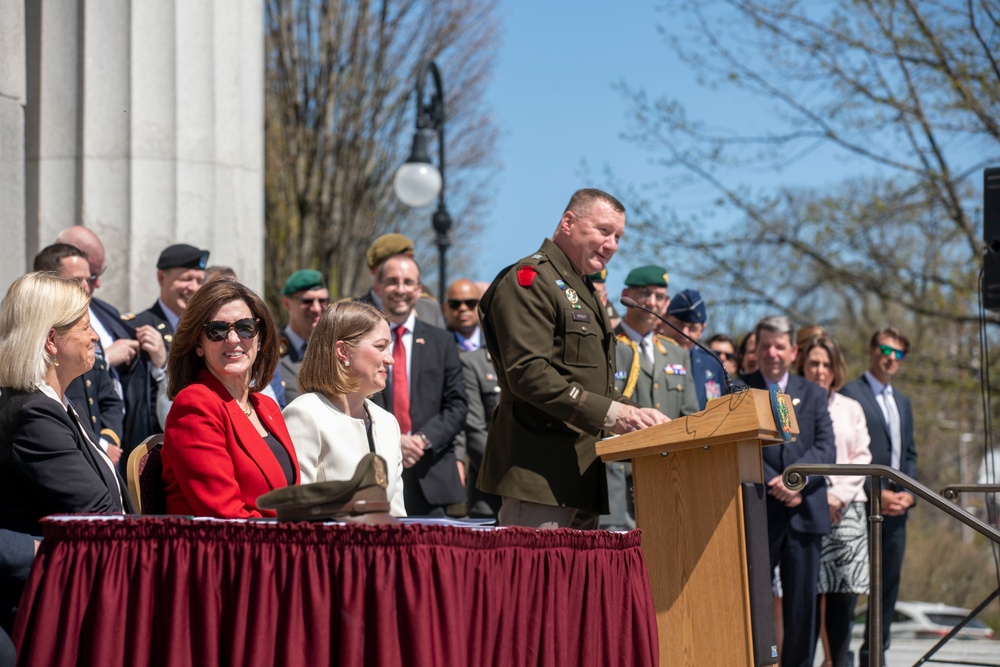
(554, 349)
(796, 520)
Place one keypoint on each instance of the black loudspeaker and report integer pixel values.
(991, 235)
(765, 647)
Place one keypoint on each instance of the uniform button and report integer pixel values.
(679, 387)
(656, 385)
(657, 406)
(90, 400)
(88, 383)
(93, 419)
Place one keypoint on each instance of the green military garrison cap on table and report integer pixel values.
(386, 246)
(647, 276)
(303, 280)
(361, 499)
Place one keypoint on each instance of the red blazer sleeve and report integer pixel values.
(214, 461)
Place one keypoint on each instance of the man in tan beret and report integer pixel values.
(389, 245)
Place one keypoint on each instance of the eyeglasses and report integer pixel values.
(455, 304)
(891, 351)
(218, 331)
(308, 303)
(95, 276)
(725, 355)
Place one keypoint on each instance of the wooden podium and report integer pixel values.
(704, 544)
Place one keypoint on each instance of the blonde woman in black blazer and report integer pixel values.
(49, 460)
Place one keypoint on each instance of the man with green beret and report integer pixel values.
(304, 297)
(651, 372)
(389, 245)
(554, 349)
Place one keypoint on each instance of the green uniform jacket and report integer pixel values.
(669, 388)
(554, 350)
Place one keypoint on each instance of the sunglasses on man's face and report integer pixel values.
(455, 304)
(218, 331)
(891, 351)
(725, 356)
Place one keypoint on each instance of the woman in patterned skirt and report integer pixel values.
(844, 567)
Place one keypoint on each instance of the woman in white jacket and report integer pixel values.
(332, 422)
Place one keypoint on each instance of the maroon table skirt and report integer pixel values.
(172, 591)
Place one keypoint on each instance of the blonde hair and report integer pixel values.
(35, 304)
(347, 321)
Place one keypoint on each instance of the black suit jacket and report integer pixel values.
(881, 445)
(138, 386)
(156, 318)
(813, 444)
(438, 409)
(96, 401)
(47, 466)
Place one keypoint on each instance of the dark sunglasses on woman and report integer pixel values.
(218, 331)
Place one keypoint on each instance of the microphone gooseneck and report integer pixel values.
(629, 302)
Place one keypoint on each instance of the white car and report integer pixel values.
(927, 620)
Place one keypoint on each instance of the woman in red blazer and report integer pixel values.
(225, 444)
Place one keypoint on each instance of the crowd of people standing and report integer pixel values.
(487, 405)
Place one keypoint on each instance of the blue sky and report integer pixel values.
(559, 116)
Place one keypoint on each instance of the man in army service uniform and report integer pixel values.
(553, 346)
(651, 372)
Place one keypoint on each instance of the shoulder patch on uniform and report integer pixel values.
(127, 316)
(526, 275)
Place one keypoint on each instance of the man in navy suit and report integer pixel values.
(426, 393)
(796, 520)
(136, 355)
(890, 425)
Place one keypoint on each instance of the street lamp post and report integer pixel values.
(417, 181)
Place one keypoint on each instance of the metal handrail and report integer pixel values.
(952, 491)
(794, 478)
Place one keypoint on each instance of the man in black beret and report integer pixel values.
(180, 271)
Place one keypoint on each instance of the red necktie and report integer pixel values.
(400, 390)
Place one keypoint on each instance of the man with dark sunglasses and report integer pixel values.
(890, 425)
(461, 312)
(304, 297)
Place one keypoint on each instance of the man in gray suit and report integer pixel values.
(461, 312)
(890, 425)
(304, 297)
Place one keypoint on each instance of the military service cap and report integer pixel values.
(303, 280)
(385, 247)
(688, 306)
(647, 276)
(182, 255)
(361, 499)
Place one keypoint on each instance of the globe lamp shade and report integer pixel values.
(417, 183)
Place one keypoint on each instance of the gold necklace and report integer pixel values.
(248, 410)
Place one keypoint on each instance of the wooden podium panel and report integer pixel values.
(687, 476)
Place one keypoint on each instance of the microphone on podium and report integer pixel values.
(631, 303)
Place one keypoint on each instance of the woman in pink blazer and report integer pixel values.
(225, 444)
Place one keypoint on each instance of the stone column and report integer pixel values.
(13, 255)
(147, 126)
